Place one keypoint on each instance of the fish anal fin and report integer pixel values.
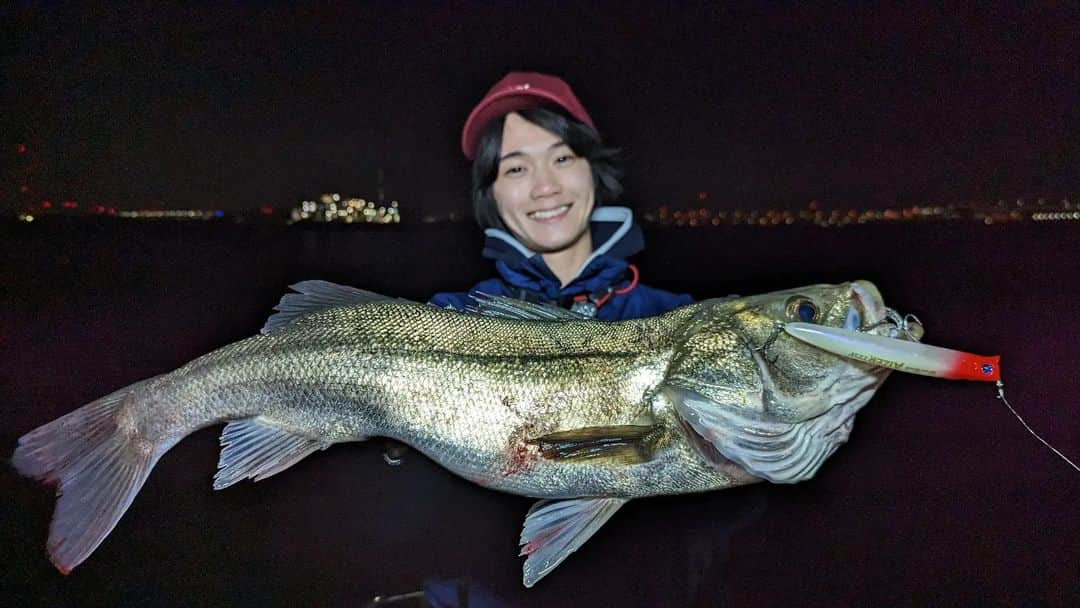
(625, 444)
(257, 448)
(556, 528)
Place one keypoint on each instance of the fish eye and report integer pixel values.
(802, 309)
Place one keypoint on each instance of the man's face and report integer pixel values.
(544, 191)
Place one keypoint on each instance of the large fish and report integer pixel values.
(581, 413)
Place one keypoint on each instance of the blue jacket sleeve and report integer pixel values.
(450, 299)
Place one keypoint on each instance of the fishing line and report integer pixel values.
(1001, 395)
(903, 324)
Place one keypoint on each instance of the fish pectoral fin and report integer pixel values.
(256, 448)
(511, 308)
(780, 452)
(624, 444)
(556, 528)
(314, 296)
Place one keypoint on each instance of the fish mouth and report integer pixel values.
(867, 308)
(864, 305)
(868, 314)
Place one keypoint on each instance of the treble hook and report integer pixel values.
(908, 325)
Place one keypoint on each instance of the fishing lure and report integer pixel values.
(904, 353)
(899, 354)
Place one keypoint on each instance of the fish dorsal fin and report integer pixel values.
(314, 296)
(780, 452)
(512, 308)
(556, 528)
(256, 448)
(622, 444)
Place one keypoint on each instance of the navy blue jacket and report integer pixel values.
(606, 286)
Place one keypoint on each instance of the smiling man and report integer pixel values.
(542, 178)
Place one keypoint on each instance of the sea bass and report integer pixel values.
(516, 397)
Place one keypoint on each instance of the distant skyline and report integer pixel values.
(246, 105)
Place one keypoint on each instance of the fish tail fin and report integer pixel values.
(97, 467)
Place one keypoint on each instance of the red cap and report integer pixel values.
(517, 91)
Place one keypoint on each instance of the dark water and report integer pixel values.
(939, 498)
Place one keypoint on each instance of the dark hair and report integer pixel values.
(583, 140)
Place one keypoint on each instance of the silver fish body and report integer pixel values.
(585, 414)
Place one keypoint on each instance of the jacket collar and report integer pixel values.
(612, 227)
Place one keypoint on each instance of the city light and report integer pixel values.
(331, 208)
(336, 208)
(172, 214)
(1060, 215)
(695, 216)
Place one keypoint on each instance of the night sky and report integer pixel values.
(761, 104)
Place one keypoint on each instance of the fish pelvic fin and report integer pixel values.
(556, 528)
(256, 448)
(621, 444)
(314, 296)
(98, 469)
